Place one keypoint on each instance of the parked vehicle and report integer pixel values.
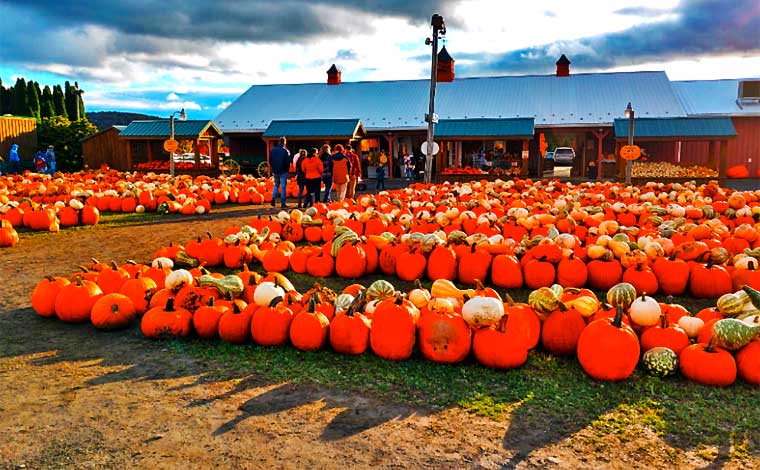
(564, 156)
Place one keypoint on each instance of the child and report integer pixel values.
(40, 165)
(380, 176)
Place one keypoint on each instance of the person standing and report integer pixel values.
(341, 168)
(14, 159)
(356, 171)
(312, 169)
(50, 158)
(326, 157)
(300, 175)
(279, 164)
(40, 165)
(380, 177)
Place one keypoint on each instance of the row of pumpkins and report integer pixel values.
(353, 248)
(445, 322)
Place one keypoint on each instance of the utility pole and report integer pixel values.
(629, 164)
(439, 27)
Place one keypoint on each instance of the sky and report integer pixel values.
(157, 57)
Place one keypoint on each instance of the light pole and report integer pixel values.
(629, 164)
(182, 116)
(439, 27)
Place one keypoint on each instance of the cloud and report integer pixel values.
(346, 54)
(695, 28)
(172, 97)
(223, 105)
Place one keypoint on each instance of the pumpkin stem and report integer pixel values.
(273, 303)
(510, 300)
(169, 305)
(312, 305)
(618, 320)
(115, 309)
(208, 234)
(210, 302)
(417, 285)
(114, 266)
(669, 299)
(710, 345)
(664, 320)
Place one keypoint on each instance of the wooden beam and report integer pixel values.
(620, 163)
(525, 160)
(129, 155)
(600, 151)
(723, 158)
(150, 152)
(711, 154)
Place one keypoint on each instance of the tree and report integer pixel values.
(47, 108)
(20, 98)
(72, 101)
(59, 102)
(2, 97)
(33, 100)
(66, 136)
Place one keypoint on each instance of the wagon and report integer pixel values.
(255, 165)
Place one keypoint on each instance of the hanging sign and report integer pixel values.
(171, 145)
(630, 152)
(424, 148)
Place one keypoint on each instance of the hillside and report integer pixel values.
(105, 119)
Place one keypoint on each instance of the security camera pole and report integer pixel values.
(439, 27)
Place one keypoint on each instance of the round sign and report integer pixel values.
(630, 152)
(424, 148)
(171, 145)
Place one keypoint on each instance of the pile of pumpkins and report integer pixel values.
(447, 324)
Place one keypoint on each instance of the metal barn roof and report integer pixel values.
(518, 127)
(685, 128)
(161, 128)
(711, 97)
(315, 128)
(577, 100)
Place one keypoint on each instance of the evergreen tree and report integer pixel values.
(33, 100)
(71, 101)
(47, 109)
(59, 101)
(80, 101)
(20, 98)
(2, 97)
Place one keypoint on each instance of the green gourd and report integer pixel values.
(183, 259)
(754, 295)
(660, 361)
(231, 286)
(733, 334)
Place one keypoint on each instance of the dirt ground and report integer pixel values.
(71, 397)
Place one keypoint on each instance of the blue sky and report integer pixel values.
(156, 57)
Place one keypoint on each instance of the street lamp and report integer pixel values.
(629, 164)
(439, 28)
(182, 116)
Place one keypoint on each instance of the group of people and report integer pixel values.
(339, 168)
(44, 162)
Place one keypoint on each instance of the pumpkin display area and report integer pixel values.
(482, 382)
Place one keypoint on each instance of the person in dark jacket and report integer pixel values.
(325, 156)
(50, 158)
(279, 164)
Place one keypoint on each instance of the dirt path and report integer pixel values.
(71, 397)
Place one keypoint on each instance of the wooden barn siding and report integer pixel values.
(21, 131)
(744, 149)
(105, 147)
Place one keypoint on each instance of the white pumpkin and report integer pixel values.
(200, 210)
(419, 296)
(482, 311)
(645, 311)
(162, 262)
(265, 292)
(691, 325)
(178, 278)
(343, 301)
(370, 306)
(140, 209)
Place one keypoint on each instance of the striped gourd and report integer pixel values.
(733, 334)
(621, 295)
(544, 300)
(732, 304)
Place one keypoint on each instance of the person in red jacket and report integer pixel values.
(312, 169)
(356, 171)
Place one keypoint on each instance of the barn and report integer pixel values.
(490, 115)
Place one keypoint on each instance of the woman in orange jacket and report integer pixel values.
(313, 169)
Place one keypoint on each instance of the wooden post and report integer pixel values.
(150, 151)
(525, 160)
(390, 139)
(197, 153)
(129, 155)
(619, 162)
(600, 151)
(213, 151)
(711, 153)
(723, 158)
